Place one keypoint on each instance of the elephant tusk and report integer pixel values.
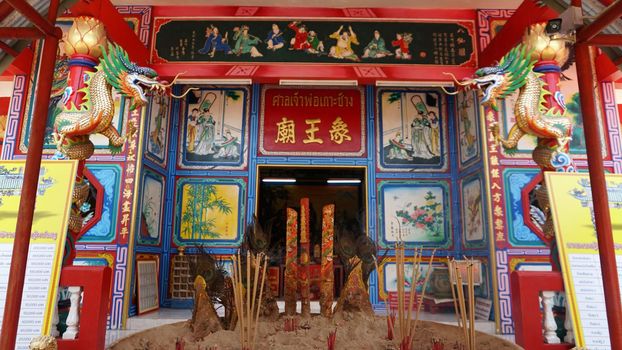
(457, 81)
(172, 82)
(449, 93)
(184, 94)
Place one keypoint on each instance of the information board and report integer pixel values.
(49, 230)
(572, 208)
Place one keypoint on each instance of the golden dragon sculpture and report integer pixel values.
(74, 125)
(552, 128)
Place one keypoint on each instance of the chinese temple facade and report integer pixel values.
(344, 106)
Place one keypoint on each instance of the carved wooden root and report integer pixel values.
(204, 318)
(354, 296)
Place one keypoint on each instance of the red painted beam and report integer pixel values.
(21, 65)
(609, 15)
(9, 50)
(272, 73)
(602, 217)
(5, 10)
(286, 13)
(20, 33)
(606, 40)
(527, 13)
(35, 17)
(116, 28)
(17, 272)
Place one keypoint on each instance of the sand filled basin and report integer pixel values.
(354, 331)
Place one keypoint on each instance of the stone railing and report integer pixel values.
(535, 324)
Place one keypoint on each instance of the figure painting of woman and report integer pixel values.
(275, 39)
(245, 42)
(435, 133)
(343, 48)
(192, 129)
(376, 47)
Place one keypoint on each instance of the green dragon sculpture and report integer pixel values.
(552, 128)
(74, 125)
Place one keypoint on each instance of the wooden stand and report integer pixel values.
(327, 274)
(291, 266)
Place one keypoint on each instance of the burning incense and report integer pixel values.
(466, 317)
(248, 313)
(390, 313)
(332, 336)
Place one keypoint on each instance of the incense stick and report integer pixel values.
(386, 304)
(425, 286)
(263, 279)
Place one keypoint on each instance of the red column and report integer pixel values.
(25, 214)
(602, 218)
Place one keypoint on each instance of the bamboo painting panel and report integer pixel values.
(214, 129)
(209, 210)
(415, 212)
(412, 130)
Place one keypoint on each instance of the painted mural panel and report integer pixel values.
(210, 211)
(412, 130)
(157, 129)
(468, 128)
(473, 224)
(519, 234)
(312, 122)
(151, 208)
(109, 177)
(235, 40)
(415, 212)
(57, 99)
(438, 285)
(214, 131)
(570, 95)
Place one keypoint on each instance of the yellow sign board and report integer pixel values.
(47, 243)
(572, 208)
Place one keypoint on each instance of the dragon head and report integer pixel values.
(127, 77)
(501, 80)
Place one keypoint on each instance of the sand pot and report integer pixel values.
(354, 331)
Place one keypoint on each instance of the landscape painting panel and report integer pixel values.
(151, 208)
(472, 211)
(468, 130)
(157, 129)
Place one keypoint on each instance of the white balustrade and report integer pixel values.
(548, 319)
(73, 318)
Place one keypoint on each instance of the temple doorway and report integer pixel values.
(282, 187)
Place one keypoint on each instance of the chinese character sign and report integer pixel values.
(312, 122)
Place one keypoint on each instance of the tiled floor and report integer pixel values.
(166, 316)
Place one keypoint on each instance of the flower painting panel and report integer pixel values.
(151, 208)
(214, 130)
(209, 211)
(468, 127)
(473, 229)
(157, 129)
(415, 212)
(411, 130)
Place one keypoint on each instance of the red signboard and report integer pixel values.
(312, 122)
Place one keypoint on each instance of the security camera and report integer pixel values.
(553, 26)
(567, 23)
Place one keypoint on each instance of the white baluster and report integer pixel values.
(73, 318)
(550, 327)
(54, 331)
(569, 338)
